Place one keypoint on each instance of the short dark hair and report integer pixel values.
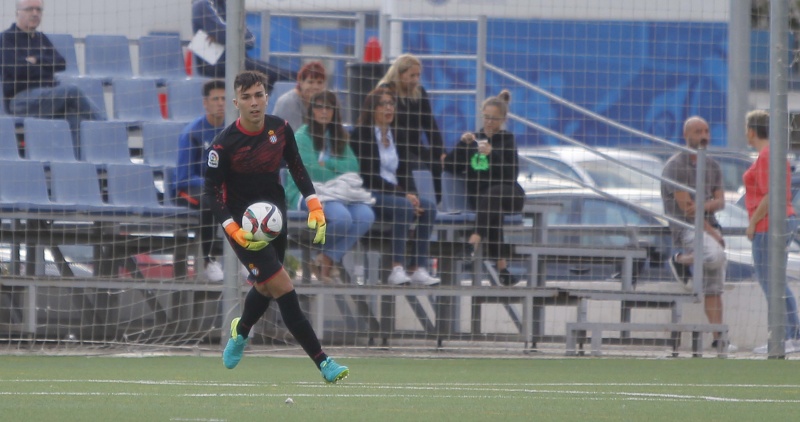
(758, 120)
(212, 85)
(248, 79)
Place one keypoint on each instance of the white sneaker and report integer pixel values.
(213, 272)
(789, 346)
(730, 348)
(423, 277)
(398, 276)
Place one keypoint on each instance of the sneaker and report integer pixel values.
(422, 277)
(681, 273)
(398, 276)
(332, 372)
(789, 346)
(730, 349)
(235, 347)
(213, 272)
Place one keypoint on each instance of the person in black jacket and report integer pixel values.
(387, 174)
(242, 168)
(209, 15)
(414, 117)
(28, 63)
(490, 162)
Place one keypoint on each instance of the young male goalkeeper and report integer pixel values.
(242, 168)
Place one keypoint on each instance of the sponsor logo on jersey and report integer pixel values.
(213, 159)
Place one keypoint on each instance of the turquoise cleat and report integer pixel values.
(332, 371)
(235, 347)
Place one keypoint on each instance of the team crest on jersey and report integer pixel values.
(213, 159)
(272, 137)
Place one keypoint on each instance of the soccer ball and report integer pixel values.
(264, 220)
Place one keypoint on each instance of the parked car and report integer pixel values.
(732, 163)
(582, 165)
(591, 219)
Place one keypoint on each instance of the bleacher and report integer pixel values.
(121, 212)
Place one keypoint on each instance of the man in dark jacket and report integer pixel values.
(209, 15)
(28, 62)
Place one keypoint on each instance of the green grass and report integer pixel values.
(39, 388)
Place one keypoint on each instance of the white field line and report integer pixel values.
(430, 390)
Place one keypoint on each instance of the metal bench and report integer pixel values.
(577, 331)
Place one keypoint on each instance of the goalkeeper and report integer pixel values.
(243, 167)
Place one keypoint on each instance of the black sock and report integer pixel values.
(298, 325)
(255, 304)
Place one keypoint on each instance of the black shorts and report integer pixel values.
(264, 264)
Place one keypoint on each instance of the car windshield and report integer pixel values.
(609, 175)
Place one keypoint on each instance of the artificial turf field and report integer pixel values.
(166, 388)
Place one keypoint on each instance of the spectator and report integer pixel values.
(293, 105)
(490, 162)
(243, 167)
(387, 174)
(195, 139)
(414, 117)
(209, 15)
(28, 62)
(324, 147)
(681, 205)
(756, 200)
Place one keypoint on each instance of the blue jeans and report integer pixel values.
(396, 209)
(761, 262)
(58, 102)
(346, 224)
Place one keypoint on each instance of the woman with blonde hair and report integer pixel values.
(490, 162)
(414, 117)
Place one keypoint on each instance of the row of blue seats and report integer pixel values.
(138, 100)
(101, 142)
(109, 56)
(78, 188)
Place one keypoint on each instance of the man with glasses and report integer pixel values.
(28, 62)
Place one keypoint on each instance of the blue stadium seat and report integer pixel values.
(133, 186)
(280, 88)
(77, 184)
(9, 148)
(185, 99)
(161, 56)
(104, 142)
(48, 140)
(160, 143)
(23, 186)
(65, 45)
(92, 88)
(108, 56)
(136, 100)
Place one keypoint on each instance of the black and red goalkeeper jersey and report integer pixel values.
(244, 167)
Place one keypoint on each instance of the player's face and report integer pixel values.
(384, 110)
(323, 112)
(29, 14)
(251, 103)
(493, 119)
(311, 86)
(214, 104)
(696, 134)
(410, 78)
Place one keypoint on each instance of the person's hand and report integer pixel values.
(750, 232)
(468, 138)
(244, 238)
(484, 147)
(414, 200)
(316, 219)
